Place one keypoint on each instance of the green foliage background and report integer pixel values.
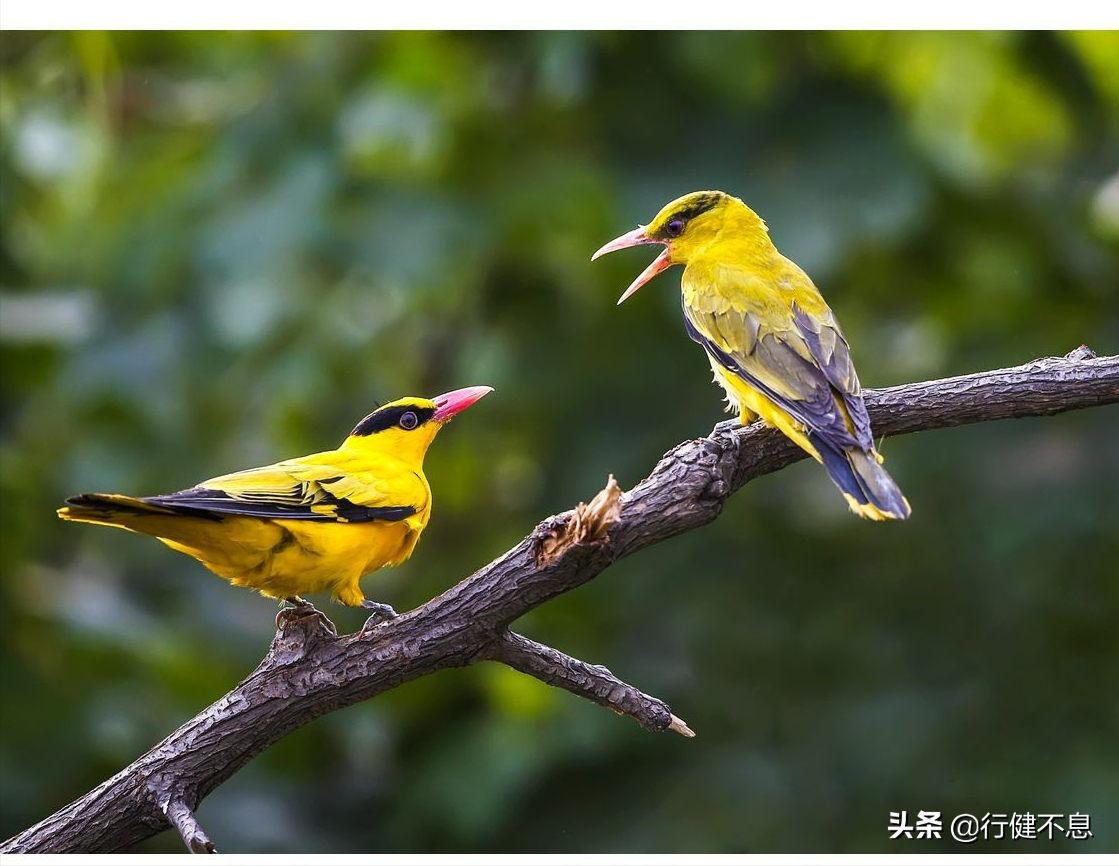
(220, 249)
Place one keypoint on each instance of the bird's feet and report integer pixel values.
(727, 425)
(382, 613)
(302, 609)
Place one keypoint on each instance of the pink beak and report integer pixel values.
(448, 405)
(633, 239)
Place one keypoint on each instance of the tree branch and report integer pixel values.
(309, 672)
(593, 682)
(183, 820)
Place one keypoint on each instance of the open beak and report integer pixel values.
(633, 239)
(448, 405)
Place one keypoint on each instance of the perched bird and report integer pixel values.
(772, 340)
(310, 524)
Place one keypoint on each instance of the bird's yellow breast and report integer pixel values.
(766, 287)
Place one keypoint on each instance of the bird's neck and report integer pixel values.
(750, 247)
(741, 237)
(407, 449)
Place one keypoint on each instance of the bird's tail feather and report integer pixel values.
(867, 487)
(112, 509)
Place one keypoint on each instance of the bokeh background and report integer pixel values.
(221, 249)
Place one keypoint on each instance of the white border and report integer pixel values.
(573, 859)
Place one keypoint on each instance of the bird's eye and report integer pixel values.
(675, 228)
(409, 420)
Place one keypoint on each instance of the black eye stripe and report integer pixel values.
(391, 416)
(694, 209)
(700, 205)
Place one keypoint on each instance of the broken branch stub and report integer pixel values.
(589, 524)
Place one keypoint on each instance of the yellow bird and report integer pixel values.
(310, 524)
(773, 342)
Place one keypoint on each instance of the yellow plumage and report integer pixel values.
(312, 524)
(772, 341)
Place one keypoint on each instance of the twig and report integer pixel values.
(183, 820)
(309, 672)
(593, 682)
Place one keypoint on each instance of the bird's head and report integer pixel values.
(685, 227)
(406, 427)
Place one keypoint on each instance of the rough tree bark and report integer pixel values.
(309, 672)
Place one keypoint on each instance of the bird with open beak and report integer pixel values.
(772, 341)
